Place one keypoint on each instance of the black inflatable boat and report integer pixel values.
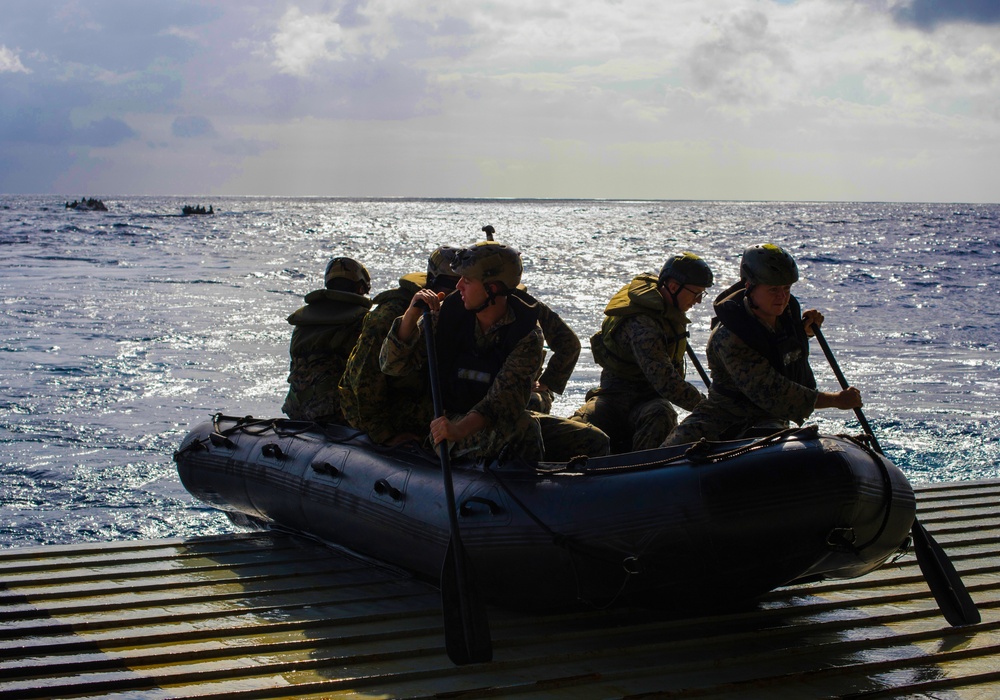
(688, 523)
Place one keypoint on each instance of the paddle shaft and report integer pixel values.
(469, 640)
(843, 385)
(943, 580)
(697, 366)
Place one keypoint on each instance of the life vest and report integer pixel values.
(330, 319)
(409, 285)
(326, 330)
(786, 349)
(466, 370)
(640, 297)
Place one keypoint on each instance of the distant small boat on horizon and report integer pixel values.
(89, 204)
(198, 210)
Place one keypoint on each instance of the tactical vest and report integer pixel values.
(786, 349)
(640, 297)
(467, 371)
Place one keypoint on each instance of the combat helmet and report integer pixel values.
(348, 269)
(687, 268)
(489, 261)
(768, 264)
(439, 264)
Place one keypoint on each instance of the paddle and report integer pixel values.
(945, 583)
(466, 625)
(697, 366)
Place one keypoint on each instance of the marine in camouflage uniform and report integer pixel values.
(761, 378)
(390, 408)
(640, 348)
(384, 406)
(565, 347)
(563, 439)
(486, 374)
(326, 330)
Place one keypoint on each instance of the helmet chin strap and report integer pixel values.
(491, 298)
(673, 295)
(749, 299)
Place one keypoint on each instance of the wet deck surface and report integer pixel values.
(272, 616)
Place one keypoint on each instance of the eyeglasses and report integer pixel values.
(698, 296)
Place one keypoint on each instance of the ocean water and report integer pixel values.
(121, 330)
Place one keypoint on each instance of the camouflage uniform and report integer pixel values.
(640, 348)
(565, 347)
(381, 405)
(747, 388)
(326, 330)
(563, 439)
(508, 423)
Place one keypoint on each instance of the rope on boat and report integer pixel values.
(281, 427)
(699, 452)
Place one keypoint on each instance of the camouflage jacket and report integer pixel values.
(381, 405)
(507, 396)
(745, 384)
(565, 347)
(326, 330)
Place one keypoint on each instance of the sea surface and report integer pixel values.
(122, 329)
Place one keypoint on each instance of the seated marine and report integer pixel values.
(640, 348)
(392, 409)
(758, 355)
(326, 330)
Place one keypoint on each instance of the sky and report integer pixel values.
(822, 100)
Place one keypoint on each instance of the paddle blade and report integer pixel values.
(466, 624)
(945, 584)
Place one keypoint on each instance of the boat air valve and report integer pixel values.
(272, 449)
(325, 468)
(384, 488)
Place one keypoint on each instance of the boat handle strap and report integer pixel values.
(467, 509)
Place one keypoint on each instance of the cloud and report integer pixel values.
(189, 127)
(104, 133)
(10, 62)
(303, 40)
(743, 63)
(408, 97)
(928, 14)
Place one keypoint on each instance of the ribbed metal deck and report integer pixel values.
(271, 616)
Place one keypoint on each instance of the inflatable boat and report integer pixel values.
(692, 524)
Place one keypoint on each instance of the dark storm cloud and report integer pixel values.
(927, 14)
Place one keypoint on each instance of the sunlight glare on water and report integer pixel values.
(121, 330)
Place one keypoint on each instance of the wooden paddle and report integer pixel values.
(466, 625)
(946, 585)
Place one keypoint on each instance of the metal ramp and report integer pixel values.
(274, 616)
